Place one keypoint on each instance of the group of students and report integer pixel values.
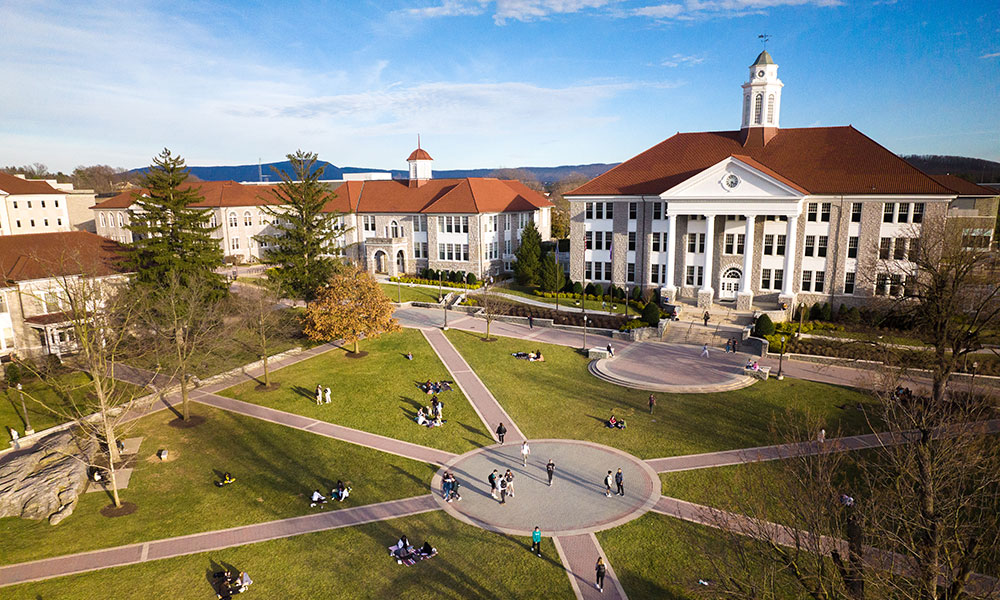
(402, 550)
(501, 486)
(449, 487)
(733, 345)
(435, 387)
(752, 365)
(339, 493)
(535, 356)
(227, 585)
(432, 416)
(615, 423)
(322, 394)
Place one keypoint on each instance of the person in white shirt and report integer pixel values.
(525, 451)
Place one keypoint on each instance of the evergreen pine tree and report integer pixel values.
(170, 236)
(529, 255)
(303, 252)
(550, 275)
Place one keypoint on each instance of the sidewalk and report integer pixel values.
(481, 399)
(213, 540)
(579, 554)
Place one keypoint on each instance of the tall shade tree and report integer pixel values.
(350, 307)
(101, 314)
(308, 239)
(529, 255)
(170, 235)
(551, 277)
(184, 323)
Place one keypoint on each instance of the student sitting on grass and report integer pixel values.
(341, 492)
(612, 422)
(226, 480)
(421, 417)
(317, 499)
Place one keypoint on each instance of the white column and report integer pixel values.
(671, 222)
(747, 255)
(791, 256)
(709, 246)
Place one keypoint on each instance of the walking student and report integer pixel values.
(525, 451)
(536, 541)
(493, 484)
(601, 570)
(704, 318)
(327, 393)
(550, 468)
(704, 351)
(620, 481)
(652, 403)
(501, 431)
(607, 485)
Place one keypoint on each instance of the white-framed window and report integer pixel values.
(855, 212)
(15, 203)
(29, 203)
(689, 275)
(104, 222)
(213, 222)
(32, 222)
(233, 221)
(765, 279)
(506, 246)
(768, 244)
(779, 248)
(849, 282)
(657, 211)
(631, 241)
(45, 222)
(588, 210)
(368, 223)
(630, 273)
(770, 108)
(812, 211)
(56, 203)
(758, 107)
(821, 246)
(903, 213)
(393, 229)
(588, 270)
(899, 251)
(247, 219)
(809, 247)
(887, 212)
(918, 212)
(633, 210)
(824, 212)
(59, 221)
(741, 241)
(729, 243)
(807, 281)
(121, 222)
(18, 222)
(819, 280)
(884, 248)
(779, 278)
(43, 203)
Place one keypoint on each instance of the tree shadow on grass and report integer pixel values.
(411, 476)
(301, 391)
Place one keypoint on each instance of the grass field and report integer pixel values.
(339, 564)
(276, 468)
(561, 399)
(410, 294)
(527, 292)
(377, 393)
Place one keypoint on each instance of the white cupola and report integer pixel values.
(762, 94)
(420, 166)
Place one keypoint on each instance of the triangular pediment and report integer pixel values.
(735, 178)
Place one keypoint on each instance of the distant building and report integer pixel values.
(395, 226)
(763, 215)
(40, 206)
(32, 321)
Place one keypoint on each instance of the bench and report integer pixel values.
(598, 353)
(761, 373)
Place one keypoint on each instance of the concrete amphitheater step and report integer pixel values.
(738, 383)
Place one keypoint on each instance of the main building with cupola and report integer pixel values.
(763, 216)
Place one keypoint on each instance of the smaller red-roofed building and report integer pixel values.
(42, 206)
(393, 226)
(34, 269)
(765, 217)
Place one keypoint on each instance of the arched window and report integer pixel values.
(213, 222)
(758, 109)
(104, 223)
(121, 223)
(247, 218)
(233, 222)
(394, 229)
(770, 109)
(746, 109)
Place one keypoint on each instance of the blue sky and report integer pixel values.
(487, 83)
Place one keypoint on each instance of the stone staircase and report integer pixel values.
(696, 334)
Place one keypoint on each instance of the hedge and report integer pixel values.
(445, 283)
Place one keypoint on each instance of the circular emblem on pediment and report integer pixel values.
(731, 181)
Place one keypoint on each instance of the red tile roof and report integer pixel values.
(419, 154)
(963, 187)
(12, 185)
(42, 255)
(216, 193)
(471, 195)
(820, 160)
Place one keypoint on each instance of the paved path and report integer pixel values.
(338, 432)
(673, 368)
(782, 451)
(213, 540)
(579, 554)
(487, 407)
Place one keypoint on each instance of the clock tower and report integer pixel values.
(762, 95)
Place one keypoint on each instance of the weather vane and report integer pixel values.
(763, 39)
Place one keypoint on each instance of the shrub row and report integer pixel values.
(443, 283)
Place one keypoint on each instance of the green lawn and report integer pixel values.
(377, 393)
(656, 556)
(38, 395)
(527, 292)
(339, 564)
(411, 294)
(561, 399)
(276, 468)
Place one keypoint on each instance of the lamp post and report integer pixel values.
(972, 382)
(24, 410)
(802, 312)
(781, 358)
(585, 332)
(399, 291)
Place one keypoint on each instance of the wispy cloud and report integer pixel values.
(448, 8)
(991, 55)
(686, 60)
(705, 9)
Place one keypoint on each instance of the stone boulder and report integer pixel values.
(45, 482)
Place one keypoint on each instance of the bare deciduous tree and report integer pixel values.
(263, 321)
(493, 304)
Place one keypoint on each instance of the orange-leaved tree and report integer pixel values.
(350, 307)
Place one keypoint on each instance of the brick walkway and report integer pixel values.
(482, 400)
(213, 540)
(338, 432)
(783, 451)
(579, 554)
